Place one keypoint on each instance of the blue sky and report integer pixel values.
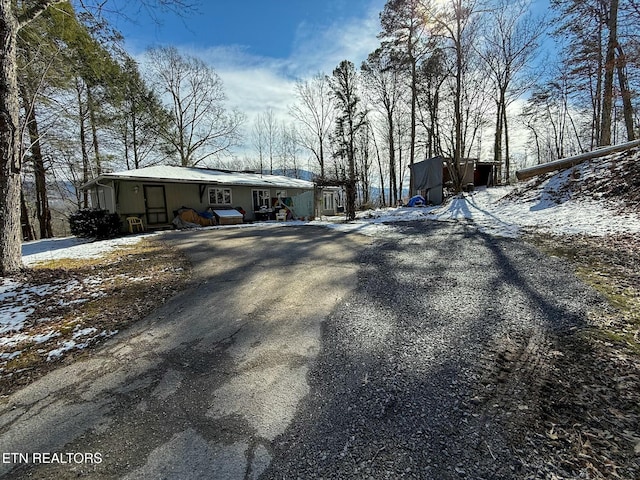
(297, 36)
(260, 47)
(260, 27)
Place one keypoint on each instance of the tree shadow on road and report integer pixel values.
(435, 367)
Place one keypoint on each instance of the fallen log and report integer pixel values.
(568, 162)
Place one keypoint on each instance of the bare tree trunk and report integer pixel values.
(10, 161)
(412, 146)
(27, 231)
(91, 107)
(393, 182)
(607, 103)
(597, 98)
(507, 158)
(375, 145)
(399, 183)
(627, 107)
(497, 142)
(83, 143)
(43, 211)
(455, 170)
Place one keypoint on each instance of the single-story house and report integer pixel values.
(155, 194)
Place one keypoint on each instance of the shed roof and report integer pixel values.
(168, 174)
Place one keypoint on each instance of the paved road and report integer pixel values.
(304, 353)
(204, 384)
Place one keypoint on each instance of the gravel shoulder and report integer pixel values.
(450, 360)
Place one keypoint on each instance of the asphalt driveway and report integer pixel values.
(305, 353)
(205, 383)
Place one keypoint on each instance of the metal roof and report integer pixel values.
(168, 174)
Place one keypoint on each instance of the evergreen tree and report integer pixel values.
(350, 119)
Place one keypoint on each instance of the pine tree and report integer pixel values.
(350, 119)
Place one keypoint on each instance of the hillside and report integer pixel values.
(614, 179)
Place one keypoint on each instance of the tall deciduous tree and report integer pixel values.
(404, 30)
(314, 111)
(266, 136)
(609, 73)
(382, 77)
(201, 127)
(594, 36)
(511, 40)
(432, 75)
(456, 23)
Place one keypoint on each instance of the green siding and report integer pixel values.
(130, 198)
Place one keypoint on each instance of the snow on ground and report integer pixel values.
(502, 211)
(73, 247)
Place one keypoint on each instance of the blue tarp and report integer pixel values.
(416, 201)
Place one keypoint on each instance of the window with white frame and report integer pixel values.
(261, 198)
(220, 196)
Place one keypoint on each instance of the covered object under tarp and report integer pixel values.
(427, 179)
(189, 218)
(416, 201)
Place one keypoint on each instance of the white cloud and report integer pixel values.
(253, 83)
(322, 50)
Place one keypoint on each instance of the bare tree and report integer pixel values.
(350, 119)
(266, 128)
(609, 72)
(314, 112)
(456, 23)
(510, 41)
(595, 36)
(404, 31)
(258, 138)
(549, 116)
(383, 80)
(432, 74)
(289, 148)
(201, 127)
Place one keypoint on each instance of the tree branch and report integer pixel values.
(34, 11)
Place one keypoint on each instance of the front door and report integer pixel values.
(155, 204)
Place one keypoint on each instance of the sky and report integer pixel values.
(260, 48)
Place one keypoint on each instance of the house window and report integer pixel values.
(220, 196)
(261, 198)
(328, 200)
(102, 200)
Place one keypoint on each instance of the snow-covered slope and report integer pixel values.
(597, 197)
